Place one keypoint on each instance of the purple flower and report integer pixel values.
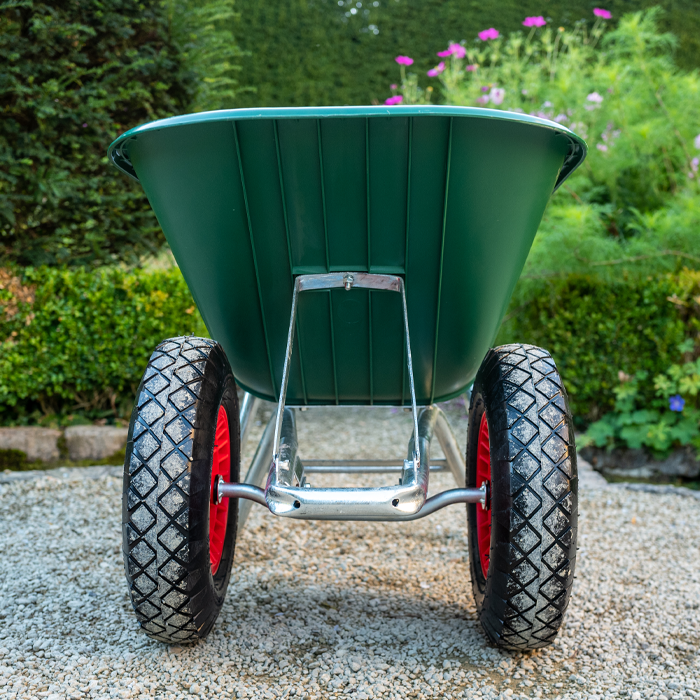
(601, 147)
(676, 403)
(404, 60)
(487, 34)
(694, 164)
(497, 95)
(437, 70)
(471, 67)
(603, 14)
(484, 99)
(697, 142)
(534, 21)
(394, 86)
(84, 126)
(595, 97)
(395, 100)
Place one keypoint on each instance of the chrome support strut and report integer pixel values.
(287, 492)
(347, 281)
(257, 471)
(431, 422)
(450, 448)
(246, 416)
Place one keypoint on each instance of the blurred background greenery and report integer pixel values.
(87, 285)
(319, 52)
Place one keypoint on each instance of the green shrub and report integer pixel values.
(596, 329)
(74, 340)
(74, 76)
(660, 411)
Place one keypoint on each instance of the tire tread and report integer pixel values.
(158, 544)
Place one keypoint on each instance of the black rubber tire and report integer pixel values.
(167, 490)
(534, 497)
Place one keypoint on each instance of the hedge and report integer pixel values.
(316, 52)
(76, 341)
(595, 330)
(74, 75)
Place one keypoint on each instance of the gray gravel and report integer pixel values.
(356, 610)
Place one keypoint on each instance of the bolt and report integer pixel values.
(395, 503)
(348, 281)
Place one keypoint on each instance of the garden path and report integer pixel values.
(346, 610)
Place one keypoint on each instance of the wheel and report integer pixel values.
(178, 544)
(522, 544)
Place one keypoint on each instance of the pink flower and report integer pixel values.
(404, 60)
(489, 34)
(603, 14)
(394, 86)
(437, 70)
(534, 21)
(601, 147)
(395, 100)
(456, 50)
(497, 95)
(697, 142)
(484, 99)
(694, 164)
(471, 67)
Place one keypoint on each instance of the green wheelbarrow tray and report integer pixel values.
(447, 198)
(349, 256)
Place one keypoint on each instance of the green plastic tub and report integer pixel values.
(449, 198)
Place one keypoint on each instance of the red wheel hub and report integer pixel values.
(218, 512)
(483, 474)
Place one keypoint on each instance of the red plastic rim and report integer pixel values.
(218, 512)
(483, 474)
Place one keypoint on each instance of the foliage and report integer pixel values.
(204, 31)
(74, 75)
(637, 422)
(14, 460)
(316, 52)
(78, 340)
(596, 329)
(663, 412)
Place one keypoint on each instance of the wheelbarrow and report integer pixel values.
(350, 256)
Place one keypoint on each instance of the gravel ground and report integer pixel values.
(357, 610)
